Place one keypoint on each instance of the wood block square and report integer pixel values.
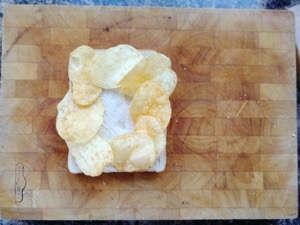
(202, 162)
(233, 198)
(105, 38)
(285, 92)
(280, 144)
(194, 144)
(44, 125)
(244, 180)
(198, 21)
(149, 39)
(18, 107)
(202, 180)
(47, 106)
(237, 39)
(32, 161)
(32, 89)
(279, 127)
(58, 89)
(142, 199)
(17, 17)
(241, 109)
(152, 214)
(60, 18)
(277, 23)
(51, 198)
(278, 162)
(103, 19)
(55, 162)
(190, 55)
(276, 198)
(189, 198)
(27, 214)
(200, 91)
(18, 143)
(238, 127)
(242, 162)
(193, 73)
(16, 125)
(236, 22)
(193, 108)
(26, 36)
(238, 144)
(19, 71)
(237, 57)
(277, 109)
(152, 20)
(57, 53)
(51, 143)
(53, 71)
(190, 126)
(238, 91)
(64, 214)
(168, 180)
(280, 180)
(193, 38)
(275, 40)
(22, 53)
(67, 36)
(108, 214)
(8, 88)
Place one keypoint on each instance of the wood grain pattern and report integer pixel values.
(231, 143)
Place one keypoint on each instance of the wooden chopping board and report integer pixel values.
(232, 141)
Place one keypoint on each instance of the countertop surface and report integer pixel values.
(237, 4)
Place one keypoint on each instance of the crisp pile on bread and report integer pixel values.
(116, 111)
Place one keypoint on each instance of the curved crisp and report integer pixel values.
(92, 156)
(113, 65)
(151, 100)
(76, 123)
(84, 93)
(147, 69)
(80, 62)
(133, 152)
(151, 126)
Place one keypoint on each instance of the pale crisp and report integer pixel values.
(133, 152)
(84, 93)
(113, 65)
(167, 80)
(81, 60)
(151, 126)
(80, 63)
(151, 100)
(147, 69)
(76, 123)
(92, 156)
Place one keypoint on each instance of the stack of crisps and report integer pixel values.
(146, 77)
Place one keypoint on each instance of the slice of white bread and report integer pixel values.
(117, 121)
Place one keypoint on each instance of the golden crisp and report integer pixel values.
(81, 60)
(84, 93)
(76, 123)
(92, 156)
(113, 65)
(133, 152)
(151, 126)
(151, 100)
(147, 69)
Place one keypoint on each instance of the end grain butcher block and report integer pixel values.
(231, 141)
